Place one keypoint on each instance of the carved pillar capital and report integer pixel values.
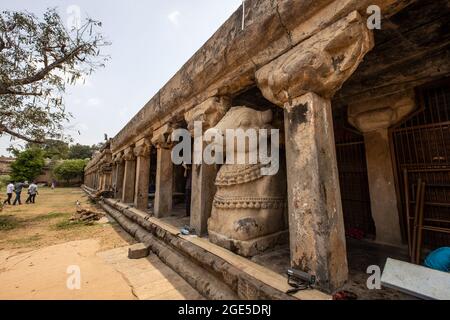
(162, 136)
(143, 150)
(208, 112)
(381, 113)
(118, 158)
(320, 64)
(129, 154)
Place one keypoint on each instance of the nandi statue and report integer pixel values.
(248, 214)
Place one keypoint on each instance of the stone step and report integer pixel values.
(213, 271)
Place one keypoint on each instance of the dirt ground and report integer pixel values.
(31, 226)
(39, 246)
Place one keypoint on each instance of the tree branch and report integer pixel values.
(46, 70)
(18, 135)
(19, 93)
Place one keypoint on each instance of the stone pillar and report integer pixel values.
(209, 114)
(120, 172)
(373, 118)
(142, 153)
(129, 176)
(316, 225)
(164, 171)
(113, 175)
(164, 181)
(303, 81)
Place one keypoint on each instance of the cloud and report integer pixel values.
(174, 17)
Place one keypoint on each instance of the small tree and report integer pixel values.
(70, 169)
(28, 165)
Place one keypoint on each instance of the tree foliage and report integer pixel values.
(53, 149)
(70, 169)
(79, 151)
(28, 165)
(38, 58)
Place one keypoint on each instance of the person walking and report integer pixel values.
(18, 190)
(9, 192)
(32, 192)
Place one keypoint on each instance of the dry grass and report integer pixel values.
(31, 226)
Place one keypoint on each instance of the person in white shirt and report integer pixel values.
(32, 192)
(9, 192)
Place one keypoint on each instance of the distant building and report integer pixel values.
(5, 165)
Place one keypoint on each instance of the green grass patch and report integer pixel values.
(8, 222)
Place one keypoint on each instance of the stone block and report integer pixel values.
(138, 251)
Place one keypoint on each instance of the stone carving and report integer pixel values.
(129, 154)
(248, 214)
(142, 150)
(162, 136)
(320, 64)
(209, 112)
(381, 113)
(118, 158)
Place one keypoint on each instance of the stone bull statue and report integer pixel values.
(248, 214)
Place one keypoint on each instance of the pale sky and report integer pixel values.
(151, 40)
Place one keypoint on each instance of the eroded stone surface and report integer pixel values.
(247, 206)
(320, 64)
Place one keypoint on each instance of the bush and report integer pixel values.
(28, 165)
(70, 169)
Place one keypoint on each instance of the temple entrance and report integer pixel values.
(422, 151)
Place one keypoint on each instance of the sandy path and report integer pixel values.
(42, 274)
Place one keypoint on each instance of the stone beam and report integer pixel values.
(303, 81)
(129, 176)
(142, 153)
(373, 118)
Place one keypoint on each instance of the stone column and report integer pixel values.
(129, 176)
(303, 81)
(120, 173)
(164, 181)
(142, 153)
(209, 114)
(164, 172)
(113, 175)
(315, 212)
(373, 118)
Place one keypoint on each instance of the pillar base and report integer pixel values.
(252, 247)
